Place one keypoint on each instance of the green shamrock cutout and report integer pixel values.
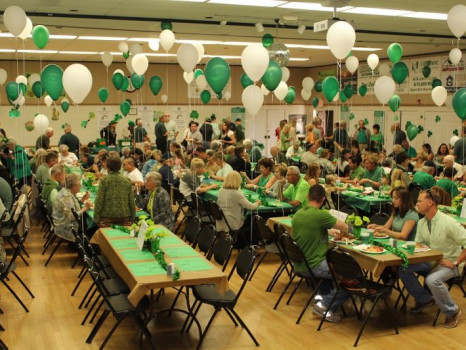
(366, 122)
(456, 132)
(437, 119)
(429, 133)
(91, 115)
(351, 116)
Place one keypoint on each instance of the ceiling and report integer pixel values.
(201, 21)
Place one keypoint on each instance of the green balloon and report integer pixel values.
(272, 76)
(40, 36)
(459, 103)
(315, 102)
(137, 80)
(363, 90)
(399, 72)
(318, 86)
(219, 96)
(411, 131)
(205, 97)
(155, 84)
(330, 87)
(23, 88)
(65, 105)
(103, 94)
(290, 95)
(436, 82)
(217, 73)
(267, 40)
(117, 80)
(125, 55)
(245, 80)
(394, 102)
(348, 90)
(12, 90)
(51, 78)
(37, 89)
(395, 52)
(197, 73)
(125, 107)
(426, 71)
(343, 97)
(166, 25)
(125, 84)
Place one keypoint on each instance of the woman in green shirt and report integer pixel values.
(377, 137)
(265, 179)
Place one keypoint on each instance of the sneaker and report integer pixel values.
(421, 306)
(452, 321)
(319, 309)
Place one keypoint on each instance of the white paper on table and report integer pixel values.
(141, 235)
(338, 215)
(463, 210)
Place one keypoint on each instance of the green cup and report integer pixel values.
(365, 237)
(410, 247)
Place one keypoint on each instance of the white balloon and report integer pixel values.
(188, 77)
(107, 59)
(140, 63)
(456, 20)
(22, 100)
(453, 140)
(373, 60)
(384, 69)
(27, 29)
(135, 48)
(201, 82)
(123, 47)
(341, 38)
(119, 71)
(308, 84)
(285, 74)
(352, 64)
(3, 76)
(17, 102)
(15, 20)
(21, 79)
(64, 99)
(253, 99)
(187, 56)
(34, 77)
(255, 61)
(129, 64)
(41, 123)
(305, 94)
(455, 55)
(200, 50)
(227, 95)
(164, 97)
(439, 95)
(154, 44)
(281, 91)
(77, 81)
(384, 88)
(449, 101)
(167, 39)
(48, 101)
(264, 90)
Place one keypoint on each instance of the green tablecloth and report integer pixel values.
(363, 202)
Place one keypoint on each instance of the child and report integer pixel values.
(385, 187)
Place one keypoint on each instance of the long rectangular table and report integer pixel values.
(142, 273)
(375, 263)
(363, 202)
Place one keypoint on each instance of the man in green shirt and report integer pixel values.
(52, 185)
(43, 170)
(70, 140)
(310, 232)
(377, 138)
(161, 134)
(356, 171)
(447, 183)
(442, 233)
(296, 193)
(411, 151)
(362, 135)
(424, 177)
(373, 175)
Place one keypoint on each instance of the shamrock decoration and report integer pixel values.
(14, 113)
(91, 115)
(194, 114)
(429, 133)
(117, 117)
(366, 122)
(422, 117)
(84, 123)
(355, 126)
(29, 126)
(437, 118)
(395, 118)
(456, 132)
(420, 129)
(351, 116)
(63, 126)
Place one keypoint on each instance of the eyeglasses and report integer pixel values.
(429, 193)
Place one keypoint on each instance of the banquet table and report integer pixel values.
(364, 202)
(374, 263)
(141, 271)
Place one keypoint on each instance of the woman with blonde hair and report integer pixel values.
(312, 174)
(285, 138)
(420, 159)
(280, 185)
(397, 179)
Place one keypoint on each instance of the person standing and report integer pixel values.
(18, 163)
(362, 135)
(161, 135)
(140, 135)
(459, 149)
(340, 138)
(70, 140)
(43, 141)
(377, 138)
(109, 133)
(170, 125)
(215, 127)
(207, 132)
(239, 130)
(399, 135)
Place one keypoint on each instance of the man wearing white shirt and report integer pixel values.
(66, 157)
(131, 172)
(170, 125)
(225, 169)
(449, 162)
(294, 150)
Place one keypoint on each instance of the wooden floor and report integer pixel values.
(54, 319)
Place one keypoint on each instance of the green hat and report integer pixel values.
(131, 123)
(113, 122)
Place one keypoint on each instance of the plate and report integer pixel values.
(368, 249)
(381, 236)
(347, 241)
(418, 249)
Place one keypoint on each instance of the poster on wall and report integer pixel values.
(418, 83)
(145, 113)
(180, 115)
(367, 77)
(105, 115)
(453, 77)
(239, 112)
(322, 74)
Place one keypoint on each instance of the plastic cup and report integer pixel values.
(410, 247)
(338, 182)
(365, 236)
(370, 232)
(376, 194)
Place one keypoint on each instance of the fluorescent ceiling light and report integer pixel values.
(299, 59)
(203, 42)
(6, 35)
(144, 40)
(366, 49)
(108, 38)
(311, 7)
(64, 37)
(160, 54)
(237, 43)
(190, 0)
(261, 3)
(7, 50)
(427, 15)
(38, 51)
(226, 57)
(375, 11)
(78, 52)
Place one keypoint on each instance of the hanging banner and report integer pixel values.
(453, 77)
(418, 82)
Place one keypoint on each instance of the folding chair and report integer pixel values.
(379, 219)
(348, 209)
(200, 209)
(191, 231)
(218, 215)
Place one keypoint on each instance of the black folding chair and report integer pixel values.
(191, 231)
(218, 215)
(349, 277)
(379, 219)
(348, 209)
(200, 209)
